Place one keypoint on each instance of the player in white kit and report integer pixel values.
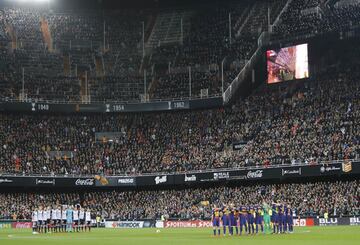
(82, 218)
(63, 219)
(53, 219)
(58, 219)
(76, 219)
(88, 219)
(34, 219)
(41, 219)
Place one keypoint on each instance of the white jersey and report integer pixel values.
(63, 214)
(76, 215)
(81, 215)
(87, 216)
(40, 215)
(58, 213)
(34, 216)
(53, 214)
(46, 215)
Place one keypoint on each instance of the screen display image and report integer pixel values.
(287, 63)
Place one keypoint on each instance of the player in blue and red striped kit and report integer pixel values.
(259, 219)
(232, 221)
(243, 219)
(289, 219)
(251, 219)
(275, 219)
(216, 214)
(280, 208)
(236, 220)
(225, 219)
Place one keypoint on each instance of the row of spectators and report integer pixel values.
(341, 198)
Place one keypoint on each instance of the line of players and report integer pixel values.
(61, 219)
(270, 220)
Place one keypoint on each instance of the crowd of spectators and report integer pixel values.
(312, 17)
(79, 37)
(285, 124)
(340, 198)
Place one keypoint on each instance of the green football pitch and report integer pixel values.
(337, 235)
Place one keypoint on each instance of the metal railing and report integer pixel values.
(35, 100)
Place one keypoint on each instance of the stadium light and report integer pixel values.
(31, 1)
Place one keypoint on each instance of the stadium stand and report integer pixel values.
(340, 198)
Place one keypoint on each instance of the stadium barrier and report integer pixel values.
(302, 222)
(277, 173)
(43, 107)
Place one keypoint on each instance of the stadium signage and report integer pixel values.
(124, 224)
(324, 169)
(126, 181)
(327, 222)
(254, 174)
(6, 181)
(111, 107)
(187, 224)
(354, 221)
(45, 182)
(85, 182)
(5, 225)
(21, 225)
(222, 175)
(160, 179)
(291, 171)
(190, 178)
(347, 167)
(244, 175)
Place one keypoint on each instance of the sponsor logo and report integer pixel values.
(21, 225)
(160, 179)
(347, 167)
(299, 222)
(326, 222)
(124, 224)
(6, 181)
(291, 171)
(85, 182)
(5, 225)
(255, 174)
(324, 169)
(187, 224)
(190, 178)
(126, 181)
(224, 175)
(354, 221)
(179, 104)
(45, 181)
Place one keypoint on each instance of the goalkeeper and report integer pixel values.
(267, 210)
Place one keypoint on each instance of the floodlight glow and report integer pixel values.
(31, 1)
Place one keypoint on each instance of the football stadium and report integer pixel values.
(179, 122)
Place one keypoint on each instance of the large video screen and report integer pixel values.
(288, 63)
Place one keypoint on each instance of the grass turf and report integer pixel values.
(337, 235)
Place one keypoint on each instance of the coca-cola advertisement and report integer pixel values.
(187, 224)
(85, 182)
(21, 225)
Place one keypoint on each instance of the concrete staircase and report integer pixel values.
(10, 30)
(169, 28)
(45, 30)
(99, 66)
(67, 65)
